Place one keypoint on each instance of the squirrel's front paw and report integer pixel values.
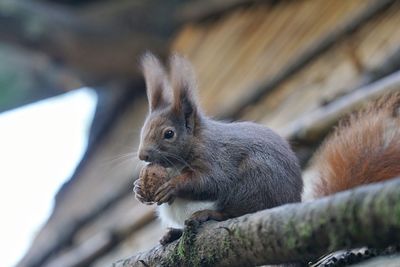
(139, 194)
(166, 193)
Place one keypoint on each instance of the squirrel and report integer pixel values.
(227, 169)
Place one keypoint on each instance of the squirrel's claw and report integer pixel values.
(166, 193)
(139, 194)
(136, 182)
(143, 200)
(172, 235)
(137, 189)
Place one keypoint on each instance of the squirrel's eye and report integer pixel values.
(169, 134)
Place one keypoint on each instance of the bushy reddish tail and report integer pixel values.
(364, 148)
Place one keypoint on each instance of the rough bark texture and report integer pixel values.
(366, 216)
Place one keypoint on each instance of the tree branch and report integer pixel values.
(368, 215)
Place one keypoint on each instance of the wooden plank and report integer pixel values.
(83, 254)
(26, 77)
(372, 50)
(100, 42)
(311, 127)
(241, 51)
(124, 217)
(104, 234)
(141, 240)
(107, 176)
(200, 10)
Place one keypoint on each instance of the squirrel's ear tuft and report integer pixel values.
(184, 86)
(155, 78)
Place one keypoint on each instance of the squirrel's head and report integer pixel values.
(170, 128)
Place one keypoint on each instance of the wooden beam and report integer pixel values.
(310, 128)
(26, 77)
(87, 252)
(315, 49)
(101, 47)
(200, 10)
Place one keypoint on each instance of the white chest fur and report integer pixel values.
(174, 215)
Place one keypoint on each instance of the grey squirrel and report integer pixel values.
(223, 170)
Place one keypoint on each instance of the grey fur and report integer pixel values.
(242, 166)
(249, 168)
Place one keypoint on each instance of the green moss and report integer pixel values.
(305, 230)
(226, 246)
(290, 242)
(334, 241)
(383, 206)
(236, 233)
(181, 250)
(243, 239)
(186, 252)
(397, 210)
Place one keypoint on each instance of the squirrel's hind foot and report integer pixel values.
(204, 215)
(170, 236)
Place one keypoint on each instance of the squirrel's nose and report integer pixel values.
(144, 155)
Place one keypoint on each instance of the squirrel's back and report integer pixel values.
(364, 148)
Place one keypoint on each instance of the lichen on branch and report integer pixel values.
(368, 215)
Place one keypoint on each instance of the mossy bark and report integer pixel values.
(369, 215)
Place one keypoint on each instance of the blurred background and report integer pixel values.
(72, 101)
